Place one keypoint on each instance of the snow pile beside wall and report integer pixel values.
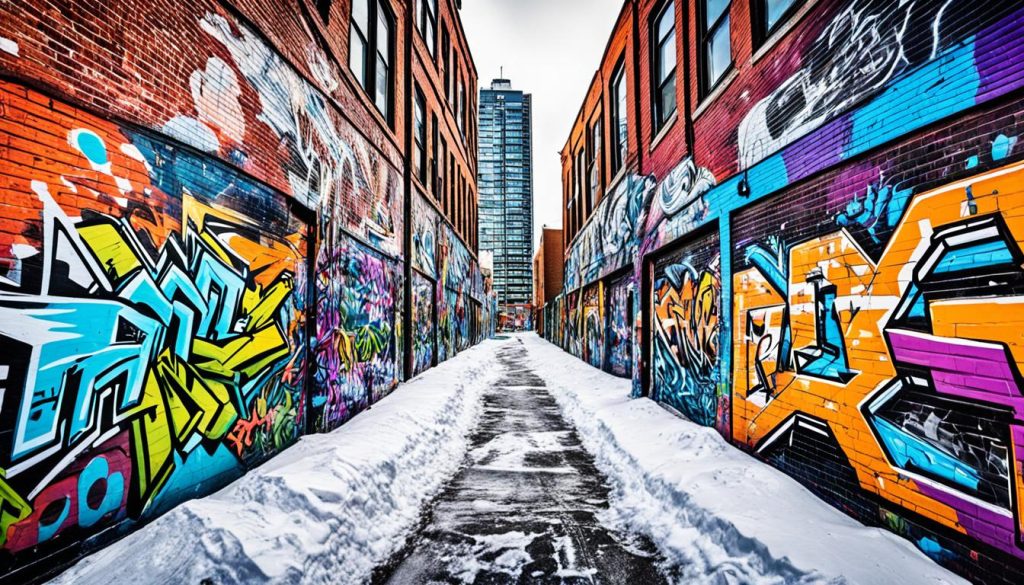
(329, 509)
(718, 514)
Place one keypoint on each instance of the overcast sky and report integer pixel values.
(551, 49)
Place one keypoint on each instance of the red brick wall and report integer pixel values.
(830, 169)
(199, 193)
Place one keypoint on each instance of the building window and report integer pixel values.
(449, 195)
(370, 51)
(581, 181)
(420, 137)
(442, 158)
(620, 120)
(428, 23)
(453, 96)
(324, 8)
(663, 32)
(769, 15)
(460, 109)
(434, 138)
(446, 61)
(594, 172)
(715, 44)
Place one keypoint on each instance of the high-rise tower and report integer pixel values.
(506, 190)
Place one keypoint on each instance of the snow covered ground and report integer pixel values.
(329, 509)
(335, 506)
(718, 514)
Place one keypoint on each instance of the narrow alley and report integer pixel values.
(513, 462)
(526, 506)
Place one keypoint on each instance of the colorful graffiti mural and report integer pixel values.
(894, 348)
(870, 255)
(459, 282)
(424, 237)
(620, 317)
(593, 325)
(865, 46)
(174, 309)
(686, 312)
(153, 327)
(327, 166)
(356, 346)
(423, 323)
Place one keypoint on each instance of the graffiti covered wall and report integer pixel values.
(686, 329)
(358, 311)
(593, 325)
(832, 275)
(153, 318)
(424, 331)
(620, 327)
(201, 259)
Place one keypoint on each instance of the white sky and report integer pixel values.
(550, 48)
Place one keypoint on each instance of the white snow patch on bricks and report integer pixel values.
(8, 46)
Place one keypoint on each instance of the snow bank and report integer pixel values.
(329, 509)
(716, 513)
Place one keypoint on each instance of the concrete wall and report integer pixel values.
(829, 274)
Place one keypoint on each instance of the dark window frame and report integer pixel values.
(446, 61)
(661, 118)
(581, 179)
(323, 7)
(705, 36)
(420, 135)
(426, 19)
(595, 161)
(368, 79)
(760, 30)
(435, 132)
(620, 148)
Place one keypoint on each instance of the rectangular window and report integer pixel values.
(370, 51)
(460, 110)
(769, 15)
(434, 134)
(453, 97)
(594, 172)
(716, 46)
(324, 8)
(663, 58)
(358, 39)
(619, 119)
(442, 164)
(420, 137)
(382, 87)
(428, 24)
(449, 196)
(446, 61)
(581, 181)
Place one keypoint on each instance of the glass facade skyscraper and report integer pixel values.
(506, 189)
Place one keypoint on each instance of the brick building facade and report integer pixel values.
(802, 219)
(548, 263)
(217, 234)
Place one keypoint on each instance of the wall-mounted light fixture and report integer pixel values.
(972, 205)
(743, 188)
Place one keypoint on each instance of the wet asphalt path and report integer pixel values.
(524, 508)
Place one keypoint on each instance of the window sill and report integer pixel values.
(776, 37)
(363, 96)
(616, 179)
(665, 130)
(709, 99)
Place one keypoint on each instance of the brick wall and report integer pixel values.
(207, 246)
(851, 203)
